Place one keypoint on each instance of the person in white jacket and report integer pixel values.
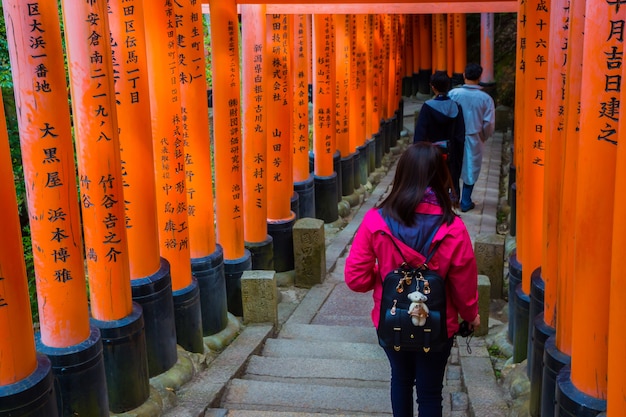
(480, 121)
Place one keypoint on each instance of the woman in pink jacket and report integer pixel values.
(418, 213)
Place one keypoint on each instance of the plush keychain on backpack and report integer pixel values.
(418, 317)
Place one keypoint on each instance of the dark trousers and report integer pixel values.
(423, 370)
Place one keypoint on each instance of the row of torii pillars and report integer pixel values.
(563, 132)
(159, 272)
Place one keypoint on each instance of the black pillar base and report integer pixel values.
(295, 204)
(537, 289)
(490, 88)
(520, 337)
(364, 159)
(371, 152)
(209, 272)
(188, 316)
(281, 232)
(457, 79)
(570, 402)
(356, 175)
(233, 269)
(337, 169)
(541, 332)
(415, 83)
(379, 147)
(154, 294)
(388, 129)
(553, 361)
(513, 205)
(125, 360)
(33, 396)
(424, 80)
(394, 133)
(79, 376)
(262, 254)
(306, 196)
(325, 198)
(515, 278)
(347, 175)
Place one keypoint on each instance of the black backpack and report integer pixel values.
(395, 327)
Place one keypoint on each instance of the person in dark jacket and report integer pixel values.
(440, 121)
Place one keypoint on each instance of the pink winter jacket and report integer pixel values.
(373, 255)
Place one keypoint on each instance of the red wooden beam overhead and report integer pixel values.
(378, 7)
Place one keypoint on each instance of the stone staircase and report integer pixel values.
(320, 371)
(313, 370)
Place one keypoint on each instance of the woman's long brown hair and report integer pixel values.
(420, 166)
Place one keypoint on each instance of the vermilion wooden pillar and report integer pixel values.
(323, 124)
(165, 57)
(358, 139)
(280, 217)
(385, 29)
(598, 140)
(99, 166)
(515, 266)
(227, 138)
(207, 257)
(87, 36)
(257, 92)
(460, 47)
(377, 76)
(533, 163)
(408, 59)
(48, 161)
(543, 293)
(302, 178)
(567, 216)
(20, 363)
(426, 66)
(345, 97)
(558, 348)
(414, 19)
(17, 349)
(135, 136)
(486, 47)
(616, 378)
(440, 40)
(450, 44)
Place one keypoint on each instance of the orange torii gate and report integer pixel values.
(597, 143)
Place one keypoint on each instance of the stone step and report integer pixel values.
(220, 412)
(304, 398)
(320, 332)
(332, 372)
(291, 348)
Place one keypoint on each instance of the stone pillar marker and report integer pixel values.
(484, 291)
(489, 251)
(309, 251)
(259, 297)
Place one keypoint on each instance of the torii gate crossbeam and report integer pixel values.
(381, 7)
